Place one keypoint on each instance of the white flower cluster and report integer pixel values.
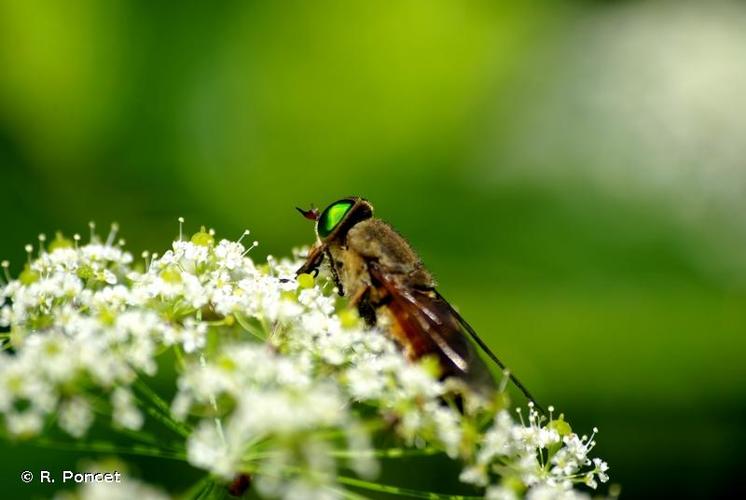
(547, 459)
(274, 377)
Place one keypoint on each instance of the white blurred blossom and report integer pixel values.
(270, 376)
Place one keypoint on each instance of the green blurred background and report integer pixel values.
(573, 175)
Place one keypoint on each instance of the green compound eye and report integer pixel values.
(332, 216)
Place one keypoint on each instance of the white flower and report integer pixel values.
(500, 493)
(189, 254)
(554, 492)
(207, 448)
(364, 381)
(448, 427)
(600, 468)
(230, 254)
(125, 413)
(547, 464)
(24, 424)
(75, 416)
(193, 335)
(267, 377)
(416, 380)
(126, 490)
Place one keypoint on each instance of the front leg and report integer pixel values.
(368, 299)
(362, 300)
(359, 296)
(335, 273)
(313, 260)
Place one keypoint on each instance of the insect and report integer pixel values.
(379, 272)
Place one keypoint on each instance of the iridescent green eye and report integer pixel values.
(332, 216)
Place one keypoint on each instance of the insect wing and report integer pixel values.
(432, 326)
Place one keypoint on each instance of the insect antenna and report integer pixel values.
(310, 214)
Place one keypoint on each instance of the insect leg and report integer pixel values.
(313, 260)
(359, 295)
(335, 274)
(366, 309)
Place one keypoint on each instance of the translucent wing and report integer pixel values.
(430, 325)
(473, 334)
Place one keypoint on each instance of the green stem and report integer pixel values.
(179, 357)
(347, 493)
(152, 395)
(382, 453)
(386, 453)
(106, 447)
(178, 428)
(208, 491)
(198, 489)
(243, 322)
(160, 411)
(146, 438)
(396, 490)
(382, 488)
